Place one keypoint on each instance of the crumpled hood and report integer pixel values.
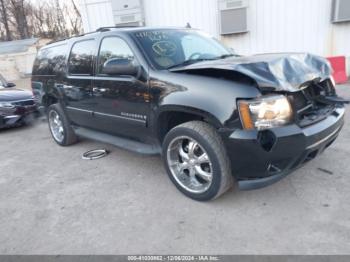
(278, 72)
(13, 94)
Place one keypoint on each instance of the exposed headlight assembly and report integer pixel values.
(6, 105)
(265, 112)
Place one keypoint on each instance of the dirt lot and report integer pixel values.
(53, 202)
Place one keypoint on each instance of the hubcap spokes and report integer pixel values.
(189, 164)
(56, 126)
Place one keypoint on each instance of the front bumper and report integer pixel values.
(256, 165)
(9, 120)
(17, 115)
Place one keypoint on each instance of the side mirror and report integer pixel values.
(120, 66)
(10, 85)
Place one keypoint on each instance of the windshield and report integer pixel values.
(169, 48)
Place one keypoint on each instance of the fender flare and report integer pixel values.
(190, 110)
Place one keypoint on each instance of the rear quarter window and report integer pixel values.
(50, 60)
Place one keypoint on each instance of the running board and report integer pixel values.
(128, 144)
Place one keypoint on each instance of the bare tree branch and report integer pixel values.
(18, 12)
(55, 19)
(4, 20)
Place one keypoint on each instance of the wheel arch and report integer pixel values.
(170, 116)
(53, 96)
(49, 99)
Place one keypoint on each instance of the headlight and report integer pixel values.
(265, 112)
(6, 105)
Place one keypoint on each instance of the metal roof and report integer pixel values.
(16, 46)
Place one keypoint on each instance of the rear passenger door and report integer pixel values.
(78, 85)
(122, 99)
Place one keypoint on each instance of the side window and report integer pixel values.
(81, 58)
(50, 60)
(113, 48)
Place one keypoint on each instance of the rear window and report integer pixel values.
(81, 58)
(50, 60)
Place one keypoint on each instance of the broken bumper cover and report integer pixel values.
(17, 116)
(12, 120)
(256, 165)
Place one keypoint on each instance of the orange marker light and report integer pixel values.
(245, 115)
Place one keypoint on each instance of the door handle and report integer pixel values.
(99, 90)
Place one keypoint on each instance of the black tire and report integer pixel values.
(208, 138)
(69, 136)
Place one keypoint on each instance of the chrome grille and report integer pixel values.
(29, 102)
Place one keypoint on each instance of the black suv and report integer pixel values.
(214, 116)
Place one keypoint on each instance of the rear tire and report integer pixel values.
(196, 161)
(59, 126)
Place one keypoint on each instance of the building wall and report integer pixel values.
(95, 14)
(14, 66)
(199, 13)
(292, 26)
(17, 65)
(274, 25)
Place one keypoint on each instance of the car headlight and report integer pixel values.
(6, 105)
(265, 112)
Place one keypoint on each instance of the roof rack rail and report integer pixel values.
(56, 41)
(101, 29)
(66, 38)
(108, 28)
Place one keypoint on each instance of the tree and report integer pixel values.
(76, 20)
(18, 12)
(4, 20)
(20, 19)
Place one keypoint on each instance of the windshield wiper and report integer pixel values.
(192, 61)
(225, 56)
(189, 62)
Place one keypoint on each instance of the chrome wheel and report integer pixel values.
(189, 164)
(56, 126)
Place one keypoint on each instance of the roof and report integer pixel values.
(17, 45)
(143, 28)
(121, 29)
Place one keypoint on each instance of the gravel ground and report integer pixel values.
(53, 202)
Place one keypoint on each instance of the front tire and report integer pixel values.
(59, 126)
(196, 161)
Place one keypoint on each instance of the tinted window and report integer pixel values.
(50, 61)
(81, 58)
(111, 48)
